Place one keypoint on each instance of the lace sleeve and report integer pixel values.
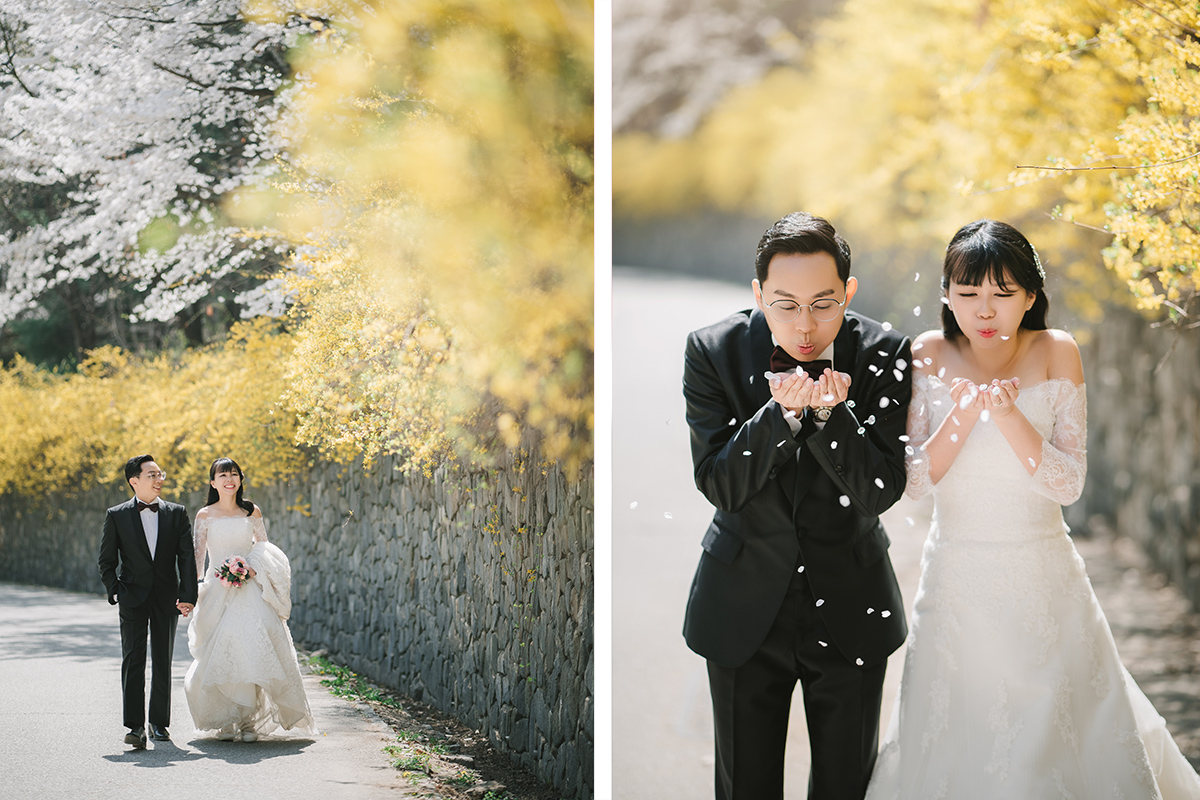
(1061, 474)
(259, 526)
(200, 542)
(916, 463)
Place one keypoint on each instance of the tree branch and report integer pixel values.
(10, 53)
(1156, 12)
(203, 85)
(182, 75)
(1112, 166)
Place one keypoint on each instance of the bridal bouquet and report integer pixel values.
(234, 571)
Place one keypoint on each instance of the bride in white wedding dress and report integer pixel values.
(1012, 687)
(245, 679)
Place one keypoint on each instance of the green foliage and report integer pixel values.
(464, 779)
(344, 683)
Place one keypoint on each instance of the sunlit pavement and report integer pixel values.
(662, 725)
(61, 737)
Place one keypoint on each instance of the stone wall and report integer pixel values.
(1144, 441)
(471, 591)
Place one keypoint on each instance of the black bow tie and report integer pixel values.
(781, 361)
(143, 506)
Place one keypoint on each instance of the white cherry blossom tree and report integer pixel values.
(123, 124)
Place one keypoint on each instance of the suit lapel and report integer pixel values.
(761, 347)
(164, 525)
(845, 350)
(760, 358)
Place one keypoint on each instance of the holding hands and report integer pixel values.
(798, 391)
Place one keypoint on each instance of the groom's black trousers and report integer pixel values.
(751, 705)
(161, 619)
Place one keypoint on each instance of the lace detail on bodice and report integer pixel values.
(1012, 686)
(1056, 408)
(230, 536)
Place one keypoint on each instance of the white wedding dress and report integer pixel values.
(245, 676)
(1012, 687)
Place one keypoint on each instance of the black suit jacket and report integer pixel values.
(169, 577)
(813, 499)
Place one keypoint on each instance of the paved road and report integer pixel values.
(662, 727)
(61, 734)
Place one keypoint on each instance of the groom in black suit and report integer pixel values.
(152, 541)
(797, 412)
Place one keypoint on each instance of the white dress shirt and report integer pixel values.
(150, 526)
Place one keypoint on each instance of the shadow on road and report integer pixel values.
(166, 754)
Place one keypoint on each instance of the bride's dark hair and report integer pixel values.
(228, 465)
(986, 248)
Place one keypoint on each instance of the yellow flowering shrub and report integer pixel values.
(363, 375)
(78, 429)
(446, 174)
(906, 120)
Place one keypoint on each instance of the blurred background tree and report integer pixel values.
(446, 173)
(903, 121)
(123, 125)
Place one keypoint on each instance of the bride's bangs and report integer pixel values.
(223, 465)
(973, 268)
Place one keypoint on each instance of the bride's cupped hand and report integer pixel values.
(968, 398)
(833, 388)
(1001, 396)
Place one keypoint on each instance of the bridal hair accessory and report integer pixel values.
(234, 571)
(1037, 262)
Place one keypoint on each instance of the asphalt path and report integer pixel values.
(662, 721)
(61, 734)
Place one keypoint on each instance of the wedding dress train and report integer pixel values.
(1012, 687)
(245, 677)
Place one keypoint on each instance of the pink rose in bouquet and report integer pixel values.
(234, 571)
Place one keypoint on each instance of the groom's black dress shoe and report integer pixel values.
(159, 733)
(137, 738)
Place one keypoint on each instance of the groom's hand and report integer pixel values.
(184, 608)
(793, 391)
(833, 388)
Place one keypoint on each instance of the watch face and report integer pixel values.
(823, 414)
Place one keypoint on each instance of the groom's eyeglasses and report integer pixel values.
(825, 310)
(156, 476)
